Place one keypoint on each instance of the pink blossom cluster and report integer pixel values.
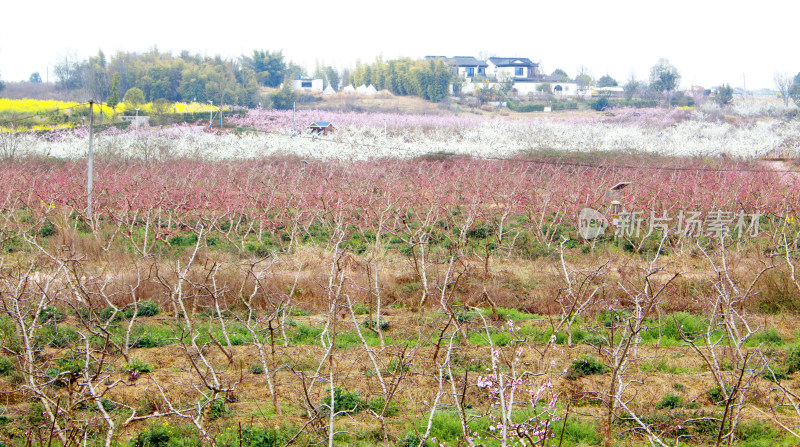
(544, 191)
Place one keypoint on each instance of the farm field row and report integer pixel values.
(359, 136)
(428, 301)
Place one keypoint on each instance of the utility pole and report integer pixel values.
(91, 162)
(211, 113)
(744, 86)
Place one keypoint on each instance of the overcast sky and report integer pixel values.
(710, 42)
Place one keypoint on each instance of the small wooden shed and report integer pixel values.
(323, 127)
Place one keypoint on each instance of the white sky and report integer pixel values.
(710, 42)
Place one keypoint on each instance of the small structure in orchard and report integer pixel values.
(615, 194)
(323, 127)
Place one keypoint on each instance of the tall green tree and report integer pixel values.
(284, 98)
(664, 78)
(113, 97)
(794, 90)
(560, 75)
(723, 94)
(333, 77)
(607, 81)
(134, 96)
(2, 85)
(631, 87)
(269, 67)
(35, 78)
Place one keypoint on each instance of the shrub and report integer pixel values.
(147, 308)
(47, 230)
(600, 105)
(51, 313)
(466, 317)
(411, 440)
(396, 366)
(218, 409)
(256, 368)
(6, 366)
(585, 366)
(260, 437)
(669, 401)
(138, 366)
(792, 363)
(774, 374)
(384, 325)
(156, 435)
(360, 309)
(56, 337)
(378, 403)
(717, 396)
(524, 108)
(343, 401)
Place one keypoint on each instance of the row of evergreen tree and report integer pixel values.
(429, 79)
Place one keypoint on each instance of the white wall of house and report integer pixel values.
(506, 72)
(568, 89)
(464, 72)
(308, 85)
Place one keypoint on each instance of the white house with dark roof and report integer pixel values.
(525, 73)
(468, 66)
(464, 66)
(512, 67)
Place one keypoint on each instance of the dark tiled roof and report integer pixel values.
(466, 61)
(512, 62)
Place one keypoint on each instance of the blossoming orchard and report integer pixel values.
(405, 280)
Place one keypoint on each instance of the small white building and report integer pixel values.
(308, 84)
(137, 121)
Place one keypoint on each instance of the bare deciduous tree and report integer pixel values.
(783, 81)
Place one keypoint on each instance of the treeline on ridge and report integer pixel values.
(195, 78)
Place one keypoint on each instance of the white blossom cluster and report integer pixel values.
(488, 138)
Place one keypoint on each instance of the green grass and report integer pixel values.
(765, 337)
(673, 328)
(661, 365)
(506, 313)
